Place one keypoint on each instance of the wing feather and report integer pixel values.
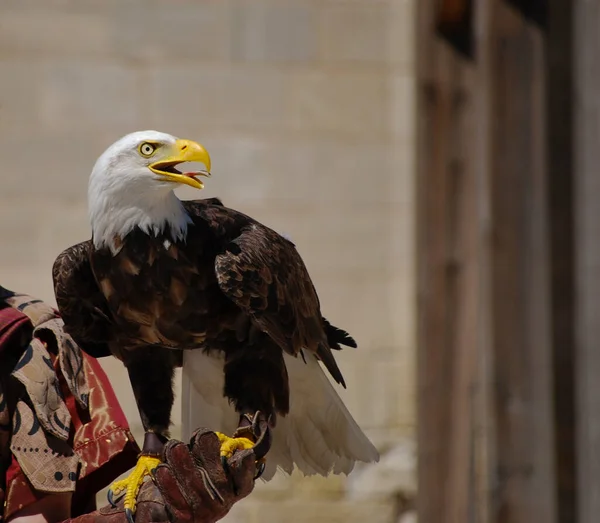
(265, 276)
(80, 301)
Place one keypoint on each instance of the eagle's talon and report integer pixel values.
(130, 486)
(260, 465)
(116, 492)
(110, 496)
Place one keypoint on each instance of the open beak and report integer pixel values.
(183, 151)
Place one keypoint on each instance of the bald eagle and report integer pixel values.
(160, 276)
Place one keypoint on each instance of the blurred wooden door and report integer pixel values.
(495, 443)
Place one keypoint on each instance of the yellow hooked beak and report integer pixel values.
(183, 151)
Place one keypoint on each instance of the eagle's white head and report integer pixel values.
(132, 185)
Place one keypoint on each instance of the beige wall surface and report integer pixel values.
(307, 108)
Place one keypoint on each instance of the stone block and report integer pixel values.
(239, 513)
(402, 35)
(300, 511)
(172, 32)
(280, 487)
(394, 476)
(354, 32)
(28, 230)
(406, 413)
(214, 97)
(85, 96)
(351, 105)
(403, 104)
(339, 240)
(403, 160)
(374, 389)
(385, 437)
(272, 31)
(402, 236)
(403, 305)
(78, 6)
(325, 171)
(314, 488)
(53, 165)
(64, 225)
(21, 90)
(19, 233)
(409, 517)
(53, 33)
(360, 305)
(29, 278)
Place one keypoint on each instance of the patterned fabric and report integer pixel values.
(61, 428)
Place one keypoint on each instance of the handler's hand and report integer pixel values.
(191, 485)
(195, 486)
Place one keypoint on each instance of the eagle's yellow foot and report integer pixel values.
(230, 445)
(130, 486)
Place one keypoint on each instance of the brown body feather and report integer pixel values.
(234, 286)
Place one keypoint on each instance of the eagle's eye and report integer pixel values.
(147, 149)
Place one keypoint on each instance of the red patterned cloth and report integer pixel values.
(61, 427)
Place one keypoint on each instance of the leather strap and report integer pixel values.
(153, 445)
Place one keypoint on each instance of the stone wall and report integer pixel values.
(307, 108)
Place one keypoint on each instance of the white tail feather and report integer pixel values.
(318, 436)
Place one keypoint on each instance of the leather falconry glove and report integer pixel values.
(191, 484)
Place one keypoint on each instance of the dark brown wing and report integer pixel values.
(337, 337)
(265, 276)
(80, 302)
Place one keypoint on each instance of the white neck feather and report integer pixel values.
(114, 214)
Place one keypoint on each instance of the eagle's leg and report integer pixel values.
(256, 383)
(151, 375)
